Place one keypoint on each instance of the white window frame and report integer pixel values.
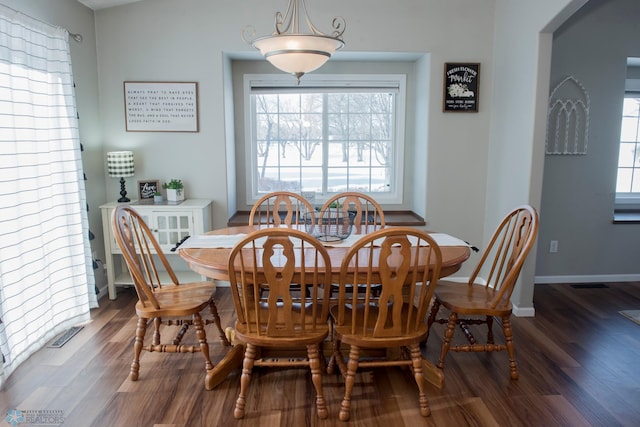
(628, 200)
(329, 80)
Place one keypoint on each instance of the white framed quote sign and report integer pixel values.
(161, 106)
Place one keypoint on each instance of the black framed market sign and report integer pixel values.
(461, 87)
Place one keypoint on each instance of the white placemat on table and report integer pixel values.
(441, 239)
(208, 241)
(230, 240)
(212, 241)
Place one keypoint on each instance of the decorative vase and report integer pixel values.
(175, 195)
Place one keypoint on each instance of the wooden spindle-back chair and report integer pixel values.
(488, 291)
(169, 303)
(281, 208)
(266, 270)
(363, 210)
(408, 263)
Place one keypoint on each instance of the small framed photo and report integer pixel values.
(147, 189)
(461, 87)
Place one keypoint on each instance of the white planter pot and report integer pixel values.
(175, 195)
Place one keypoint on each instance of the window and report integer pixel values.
(328, 135)
(628, 182)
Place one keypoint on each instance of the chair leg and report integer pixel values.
(316, 378)
(216, 319)
(157, 322)
(181, 333)
(432, 318)
(245, 379)
(489, 320)
(322, 359)
(137, 348)
(448, 335)
(202, 339)
(416, 358)
(337, 359)
(508, 336)
(335, 351)
(350, 379)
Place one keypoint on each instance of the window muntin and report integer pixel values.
(335, 134)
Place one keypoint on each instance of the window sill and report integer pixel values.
(406, 218)
(626, 216)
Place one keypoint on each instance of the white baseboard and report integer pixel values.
(524, 311)
(588, 278)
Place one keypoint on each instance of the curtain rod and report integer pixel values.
(75, 36)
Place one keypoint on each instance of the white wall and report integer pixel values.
(521, 81)
(579, 191)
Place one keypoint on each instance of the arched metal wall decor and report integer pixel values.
(568, 118)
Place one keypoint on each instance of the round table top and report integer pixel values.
(212, 262)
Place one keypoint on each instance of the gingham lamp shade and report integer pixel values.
(120, 164)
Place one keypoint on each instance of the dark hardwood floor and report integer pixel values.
(578, 361)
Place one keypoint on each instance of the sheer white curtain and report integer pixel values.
(46, 275)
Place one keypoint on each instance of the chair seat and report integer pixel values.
(272, 339)
(182, 300)
(242, 334)
(366, 339)
(470, 300)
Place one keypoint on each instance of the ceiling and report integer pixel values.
(103, 4)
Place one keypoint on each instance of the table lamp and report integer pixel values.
(120, 165)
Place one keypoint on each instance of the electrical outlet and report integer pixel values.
(553, 246)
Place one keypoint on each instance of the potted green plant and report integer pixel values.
(175, 190)
(157, 197)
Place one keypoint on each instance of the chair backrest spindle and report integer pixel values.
(141, 252)
(506, 252)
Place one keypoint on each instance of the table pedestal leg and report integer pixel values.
(432, 374)
(232, 360)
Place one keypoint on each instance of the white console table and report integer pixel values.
(170, 224)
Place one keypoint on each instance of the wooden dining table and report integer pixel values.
(211, 262)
